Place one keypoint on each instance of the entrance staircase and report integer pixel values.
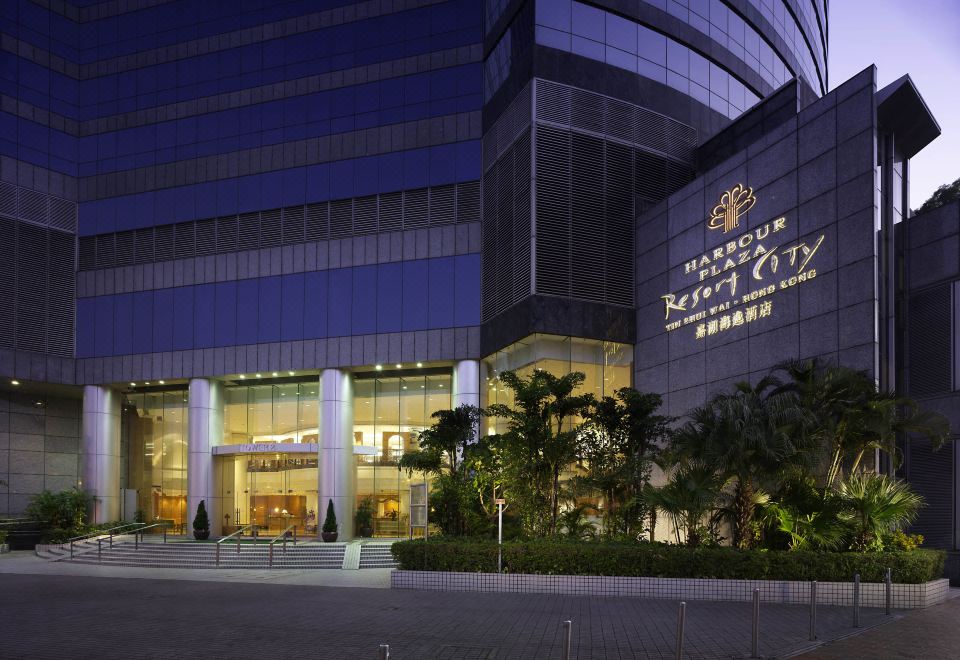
(153, 553)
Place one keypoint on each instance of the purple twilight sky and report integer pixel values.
(919, 37)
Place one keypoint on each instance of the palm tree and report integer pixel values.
(688, 498)
(876, 505)
(754, 435)
(852, 417)
(541, 440)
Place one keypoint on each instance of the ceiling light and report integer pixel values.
(242, 377)
(275, 374)
(162, 383)
(147, 383)
(133, 384)
(399, 365)
(419, 364)
(290, 373)
(259, 375)
(379, 367)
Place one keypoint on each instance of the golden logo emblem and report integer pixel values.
(733, 203)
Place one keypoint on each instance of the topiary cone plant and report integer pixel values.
(329, 531)
(201, 523)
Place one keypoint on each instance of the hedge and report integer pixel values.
(668, 561)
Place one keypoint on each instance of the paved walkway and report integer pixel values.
(930, 633)
(53, 613)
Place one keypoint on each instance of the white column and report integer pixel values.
(205, 431)
(466, 383)
(100, 451)
(338, 471)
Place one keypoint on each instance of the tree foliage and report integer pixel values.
(942, 196)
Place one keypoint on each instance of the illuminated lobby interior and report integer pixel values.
(279, 444)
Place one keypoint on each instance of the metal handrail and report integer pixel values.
(282, 536)
(110, 533)
(137, 537)
(238, 534)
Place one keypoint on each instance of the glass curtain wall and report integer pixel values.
(157, 455)
(389, 413)
(283, 413)
(272, 490)
(608, 366)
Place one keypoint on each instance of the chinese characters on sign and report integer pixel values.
(739, 272)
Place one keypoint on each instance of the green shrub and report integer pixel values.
(658, 560)
(3, 536)
(330, 521)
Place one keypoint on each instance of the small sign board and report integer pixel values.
(418, 508)
(500, 500)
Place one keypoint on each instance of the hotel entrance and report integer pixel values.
(270, 489)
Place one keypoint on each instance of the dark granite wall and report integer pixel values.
(816, 171)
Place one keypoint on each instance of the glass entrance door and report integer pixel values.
(271, 490)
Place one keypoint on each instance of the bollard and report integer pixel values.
(889, 586)
(681, 615)
(755, 638)
(813, 610)
(856, 600)
(567, 631)
(384, 652)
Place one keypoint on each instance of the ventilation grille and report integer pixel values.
(930, 475)
(578, 109)
(37, 265)
(930, 346)
(506, 229)
(411, 209)
(514, 121)
(37, 208)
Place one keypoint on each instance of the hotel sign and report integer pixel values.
(730, 285)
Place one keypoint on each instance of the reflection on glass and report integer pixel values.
(156, 430)
(272, 491)
(282, 414)
(389, 413)
(606, 365)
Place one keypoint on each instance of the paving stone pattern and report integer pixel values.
(71, 617)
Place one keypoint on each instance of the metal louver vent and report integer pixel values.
(271, 228)
(31, 292)
(33, 206)
(63, 214)
(8, 280)
(249, 235)
(293, 225)
(316, 221)
(415, 209)
(143, 242)
(365, 215)
(341, 218)
(205, 237)
(105, 255)
(124, 248)
(442, 207)
(162, 243)
(391, 211)
(183, 240)
(8, 199)
(930, 328)
(468, 202)
(61, 280)
(88, 252)
(228, 233)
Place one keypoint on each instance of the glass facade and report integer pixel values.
(284, 413)
(156, 431)
(606, 37)
(389, 412)
(270, 490)
(608, 366)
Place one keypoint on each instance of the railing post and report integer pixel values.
(681, 615)
(294, 535)
(238, 543)
(217, 553)
(136, 541)
(384, 652)
(71, 549)
(856, 600)
(889, 586)
(813, 610)
(270, 562)
(99, 549)
(567, 634)
(111, 540)
(164, 534)
(755, 637)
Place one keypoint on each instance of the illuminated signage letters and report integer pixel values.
(729, 281)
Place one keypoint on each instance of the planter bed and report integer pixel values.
(872, 594)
